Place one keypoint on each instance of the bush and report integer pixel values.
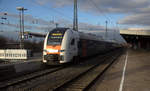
(3, 42)
(35, 47)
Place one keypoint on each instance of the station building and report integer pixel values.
(138, 38)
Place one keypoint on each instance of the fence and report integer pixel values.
(14, 54)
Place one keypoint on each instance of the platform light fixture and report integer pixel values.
(21, 21)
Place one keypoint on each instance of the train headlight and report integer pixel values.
(52, 50)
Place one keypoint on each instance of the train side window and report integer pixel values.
(72, 42)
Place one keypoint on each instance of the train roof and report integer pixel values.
(83, 35)
(59, 29)
(90, 36)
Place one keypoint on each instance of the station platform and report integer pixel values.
(131, 72)
(19, 66)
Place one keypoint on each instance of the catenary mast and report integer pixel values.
(75, 20)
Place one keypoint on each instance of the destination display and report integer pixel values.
(57, 34)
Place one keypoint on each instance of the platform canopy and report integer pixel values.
(142, 32)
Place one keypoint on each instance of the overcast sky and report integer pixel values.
(42, 14)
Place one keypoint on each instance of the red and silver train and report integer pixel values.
(63, 45)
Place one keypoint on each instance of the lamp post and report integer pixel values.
(21, 21)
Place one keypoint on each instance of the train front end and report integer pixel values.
(52, 46)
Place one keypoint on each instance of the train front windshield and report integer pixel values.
(55, 36)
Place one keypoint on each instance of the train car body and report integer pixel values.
(63, 45)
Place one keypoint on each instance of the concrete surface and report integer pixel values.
(136, 77)
(23, 65)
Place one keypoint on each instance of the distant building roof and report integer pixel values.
(135, 32)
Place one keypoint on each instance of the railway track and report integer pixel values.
(63, 78)
(85, 80)
(27, 77)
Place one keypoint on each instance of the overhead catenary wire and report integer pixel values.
(54, 10)
(108, 18)
(66, 16)
(100, 11)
